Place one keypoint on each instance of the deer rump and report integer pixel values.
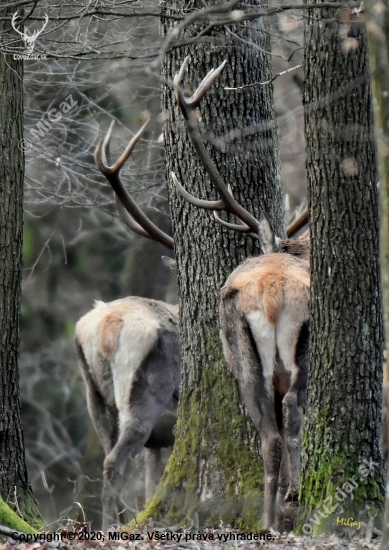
(128, 352)
(264, 318)
(268, 297)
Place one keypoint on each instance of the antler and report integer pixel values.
(188, 106)
(13, 22)
(35, 34)
(298, 223)
(38, 32)
(129, 211)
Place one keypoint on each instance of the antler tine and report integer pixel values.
(204, 85)
(211, 205)
(122, 159)
(13, 23)
(179, 76)
(104, 149)
(139, 221)
(240, 227)
(129, 220)
(127, 152)
(188, 106)
(45, 23)
(39, 31)
(201, 203)
(298, 223)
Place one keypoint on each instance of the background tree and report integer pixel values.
(14, 484)
(203, 476)
(344, 394)
(378, 35)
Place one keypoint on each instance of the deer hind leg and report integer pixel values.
(293, 415)
(104, 419)
(148, 397)
(293, 351)
(103, 416)
(162, 436)
(260, 377)
(283, 476)
(135, 429)
(249, 346)
(153, 470)
(259, 404)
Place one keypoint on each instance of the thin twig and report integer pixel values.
(267, 81)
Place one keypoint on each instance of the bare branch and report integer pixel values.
(266, 82)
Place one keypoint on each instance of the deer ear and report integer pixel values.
(268, 240)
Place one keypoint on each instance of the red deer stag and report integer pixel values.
(264, 319)
(128, 352)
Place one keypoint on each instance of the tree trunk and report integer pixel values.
(14, 485)
(215, 472)
(343, 420)
(379, 64)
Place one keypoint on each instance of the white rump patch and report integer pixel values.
(264, 334)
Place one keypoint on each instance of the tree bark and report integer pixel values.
(14, 485)
(343, 417)
(214, 472)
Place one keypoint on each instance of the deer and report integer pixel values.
(129, 356)
(264, 326)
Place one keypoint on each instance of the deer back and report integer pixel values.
(116, 338)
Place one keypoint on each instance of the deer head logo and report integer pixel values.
(29, 40)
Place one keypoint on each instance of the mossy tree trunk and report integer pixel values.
(343, 419)
(215, 472)
(378, 27)
(14, 485)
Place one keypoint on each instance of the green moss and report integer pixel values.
(10, 518)
(29, 510)
(335, 484)
(211, 426)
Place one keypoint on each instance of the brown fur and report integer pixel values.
(266, 280)
(110, 328)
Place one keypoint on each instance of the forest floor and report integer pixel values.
(148, 540)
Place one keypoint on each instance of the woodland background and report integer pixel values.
(77, 251)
